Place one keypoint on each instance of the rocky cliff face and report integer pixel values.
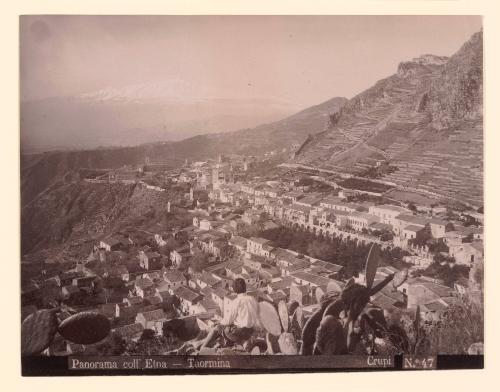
(426, 120)
(457, 94)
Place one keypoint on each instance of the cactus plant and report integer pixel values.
(39, 329)
(269, 318)
(343, 320)
(85, 328)
(284, 316)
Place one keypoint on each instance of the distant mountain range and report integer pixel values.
(426, 120)
(138, 114)
(39, 171)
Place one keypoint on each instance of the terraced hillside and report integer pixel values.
(426, 120)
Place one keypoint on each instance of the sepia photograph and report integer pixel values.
(231, 193)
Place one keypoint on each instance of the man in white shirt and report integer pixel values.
(240, 321)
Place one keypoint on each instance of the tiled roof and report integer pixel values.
(134, 300)
(314, 279)
(238, 241)
(153, 315)
(380, 226)
(207, 291)
(413, 228)
(383, 301)
(440, 290)
(300, 208)
(143, 283)
(258, 240)
(331, 200)
(186, 294)
(281, 284)
(415, 220)
(208, 279)
(391, 208)
(435, 306)
(208, 304)
(326, 265)
(220, 292)
(173, 276)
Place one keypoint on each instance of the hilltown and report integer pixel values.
(186, 272)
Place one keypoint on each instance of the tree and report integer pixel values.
(182, 237)
(320, 250)
(147, 334)
(199, 261)
(114, 345)
(171, 244)
(412, 206)
(227, 251)
(469, 220)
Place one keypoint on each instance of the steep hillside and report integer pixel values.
(75, 212)
(426, 120)
(40, 171)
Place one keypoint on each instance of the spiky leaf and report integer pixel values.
(372, 262)
(400, 277)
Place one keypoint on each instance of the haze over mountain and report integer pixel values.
(39, 171)
(425, 121)
(138, 114)
(90, 81)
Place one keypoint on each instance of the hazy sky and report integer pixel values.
(301, 60)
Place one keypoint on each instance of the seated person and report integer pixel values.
(239, 321)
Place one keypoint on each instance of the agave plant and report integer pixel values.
(344, 319)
